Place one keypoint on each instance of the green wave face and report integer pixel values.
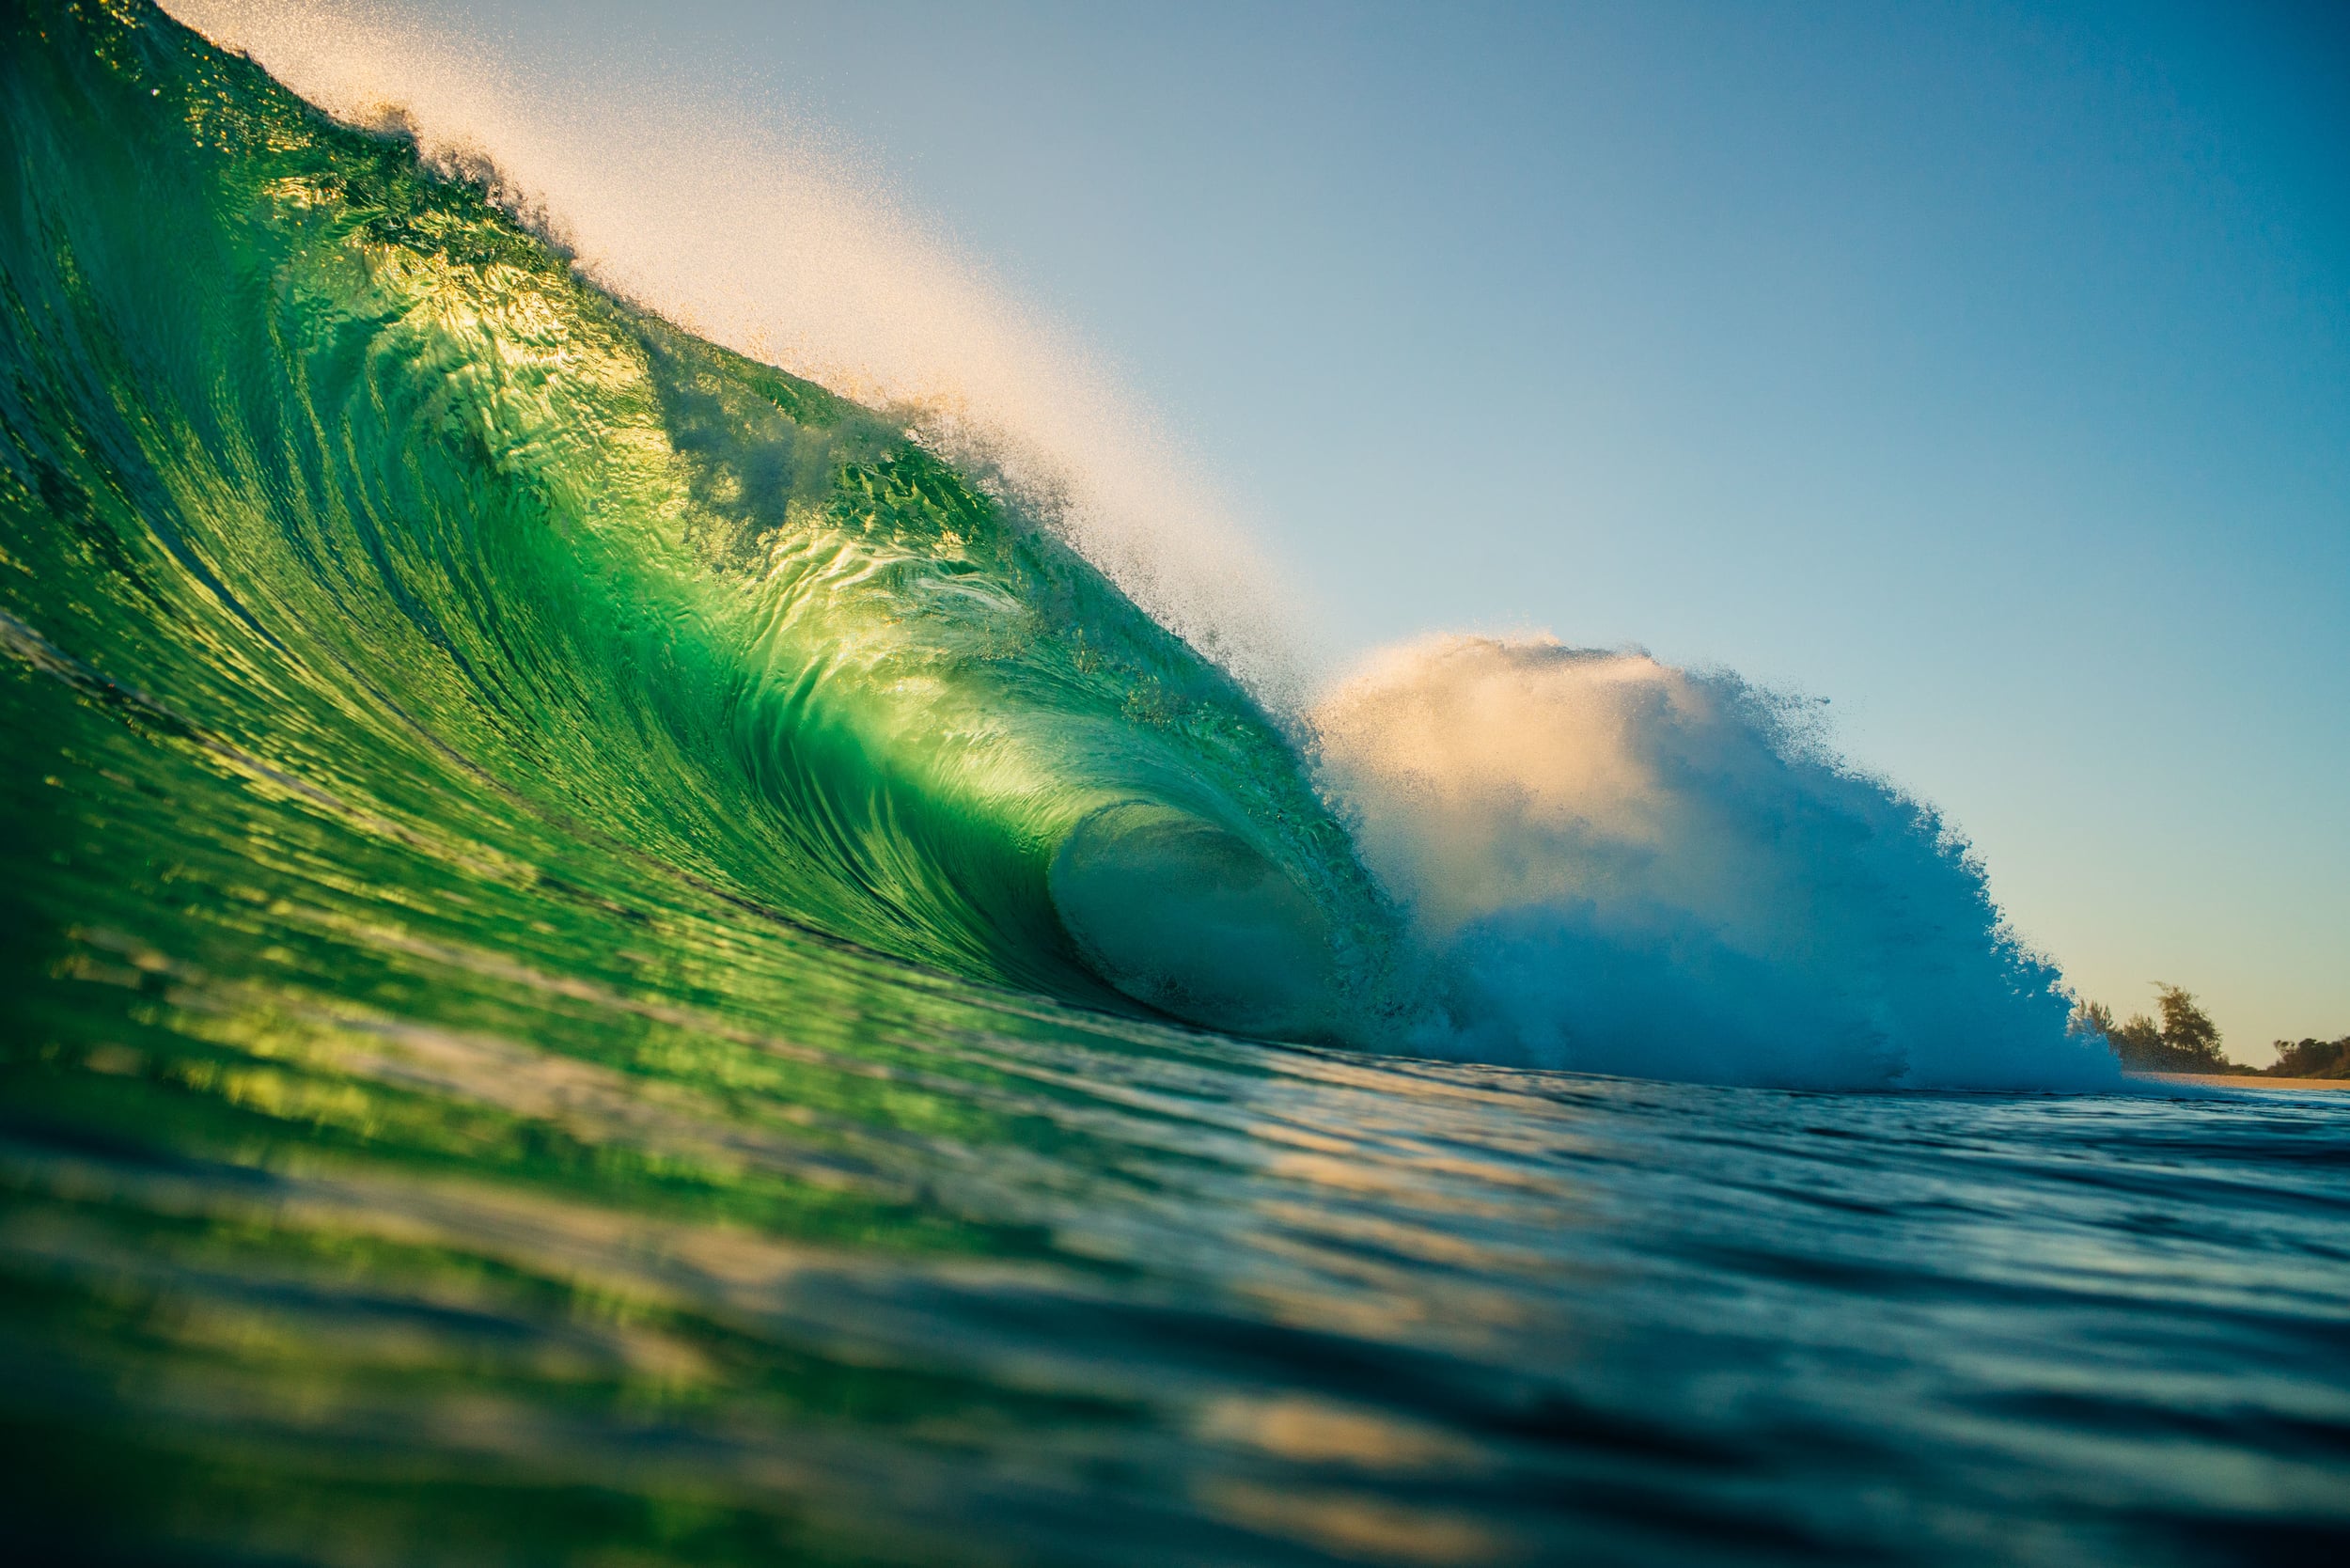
(314, 455)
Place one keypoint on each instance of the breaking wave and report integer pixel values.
(311, 447)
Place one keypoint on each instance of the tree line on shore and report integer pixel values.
(2185, 1040)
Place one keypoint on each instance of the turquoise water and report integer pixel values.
(608, 959)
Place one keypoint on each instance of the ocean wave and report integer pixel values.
(306, 433)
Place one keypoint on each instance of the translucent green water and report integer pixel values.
(590, 935)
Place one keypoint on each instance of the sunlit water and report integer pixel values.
(500, 1068)
(498, 1256)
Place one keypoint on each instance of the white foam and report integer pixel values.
(1623, 866)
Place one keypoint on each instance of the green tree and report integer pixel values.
(2187, 1028)
(2186, 1041)
(2312, 1059)
(2138, 1042)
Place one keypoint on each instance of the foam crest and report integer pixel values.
(747, 230)
(1623, 866)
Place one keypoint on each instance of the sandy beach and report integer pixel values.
(2242, 1080)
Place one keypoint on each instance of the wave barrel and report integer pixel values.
(1184, 917)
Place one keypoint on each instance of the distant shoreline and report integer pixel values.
(2241, 1080)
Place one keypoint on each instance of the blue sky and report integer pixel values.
(1984, 370)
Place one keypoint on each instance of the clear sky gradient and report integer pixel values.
(1983, 369)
